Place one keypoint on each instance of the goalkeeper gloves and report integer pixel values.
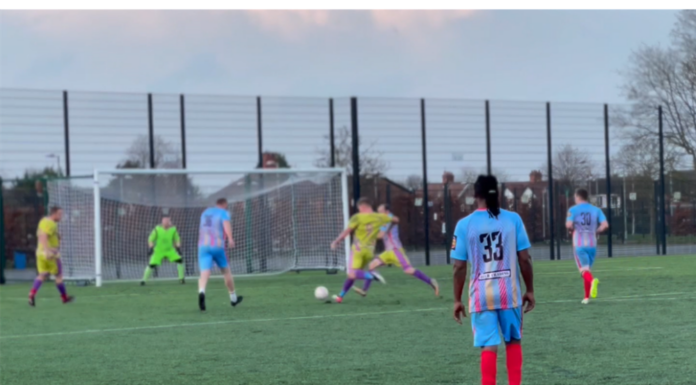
(150, 251)
(178, 250)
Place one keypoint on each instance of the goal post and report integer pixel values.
(282, 219)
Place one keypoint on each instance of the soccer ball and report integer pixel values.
(321, 293)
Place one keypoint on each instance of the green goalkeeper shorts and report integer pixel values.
(157, 257)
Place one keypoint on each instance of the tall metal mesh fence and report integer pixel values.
(405, 149)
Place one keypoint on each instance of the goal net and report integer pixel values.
(282, 219)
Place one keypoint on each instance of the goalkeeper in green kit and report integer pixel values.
(164, 242)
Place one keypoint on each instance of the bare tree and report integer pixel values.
(371, 162)
(166, 155)
(145, 189)
(280, 159)
(469, 174)
(571, 165)
(658, 76)
(414, 182)
(641, 157)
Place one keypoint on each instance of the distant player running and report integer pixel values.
(164, 242)
(48, 255)
(586, 221)
(394, 254)
(215, 227)
(496, 245)
(366, 225)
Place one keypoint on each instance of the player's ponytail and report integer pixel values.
(486, 188)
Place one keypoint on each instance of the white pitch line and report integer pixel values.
(442, 279)
(647, 297)
(323, 316)
(576, 272)
(601, 271)
(221, 323)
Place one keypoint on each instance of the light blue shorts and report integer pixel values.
(487, 326)
(585, 256)
(207, 255)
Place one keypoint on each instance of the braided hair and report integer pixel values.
(486, 188)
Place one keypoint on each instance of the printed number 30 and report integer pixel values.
(492, 246)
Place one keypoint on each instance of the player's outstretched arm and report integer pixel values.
(228, 232)
(177, 238)
(569, 220)
(603, 227)
(525, 262)
(43, 241)
(341, 237)
(459, 281)
(151, 239)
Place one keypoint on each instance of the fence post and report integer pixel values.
(656, 195)
(151, 131)
(332, 144)
(448, 221)
(264, 242)
(259, 132)
(66, 133)
(3, 257)
(489, 166)
(608, 176)
(552, 228)
(426, 205)
(355, 147)
(663, 198)
(182, 113)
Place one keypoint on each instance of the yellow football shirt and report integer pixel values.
(366, 227)
(50, 228)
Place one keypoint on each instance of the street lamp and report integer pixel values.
(57, 157)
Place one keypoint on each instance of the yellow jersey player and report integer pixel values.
(394, 254)
(48, 256)
(366, 225)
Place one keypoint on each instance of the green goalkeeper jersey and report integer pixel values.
(164, 239)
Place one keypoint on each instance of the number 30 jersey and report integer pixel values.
(211, 232)
(490, 245)
(586, 219)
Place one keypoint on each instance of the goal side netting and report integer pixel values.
(282, 219)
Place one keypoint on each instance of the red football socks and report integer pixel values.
(587, 276)
(489, 362)
(514, 363)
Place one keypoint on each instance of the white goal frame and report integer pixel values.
(97, 198)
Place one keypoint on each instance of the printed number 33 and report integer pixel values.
(492, 246)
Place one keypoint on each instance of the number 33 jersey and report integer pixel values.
(490, 245)
(586, 219)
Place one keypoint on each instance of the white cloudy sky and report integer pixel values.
(560, 56)
(536, 55)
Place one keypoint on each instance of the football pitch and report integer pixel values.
(639, 331)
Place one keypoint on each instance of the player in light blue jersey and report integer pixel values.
(586, 221)
(394, 254)
(214, 228)
(495, 244)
